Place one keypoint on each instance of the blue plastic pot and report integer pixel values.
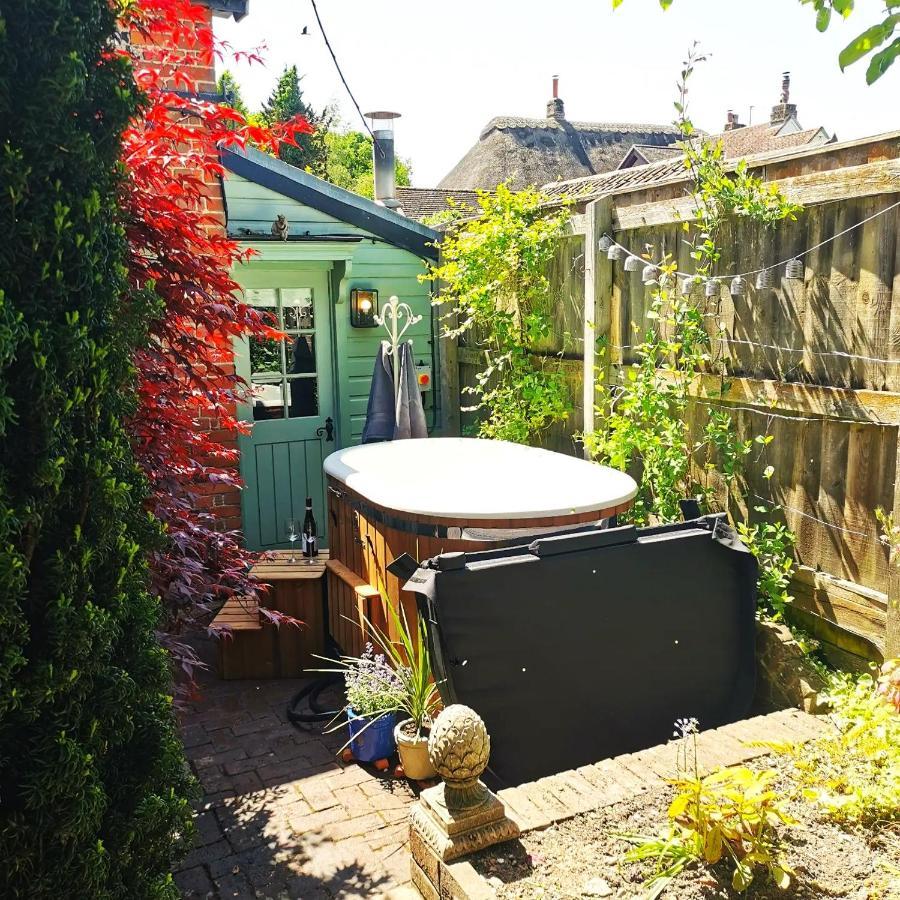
(369, 742)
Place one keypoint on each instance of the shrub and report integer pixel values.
(731, 815)
(853, 772)
(92, 779)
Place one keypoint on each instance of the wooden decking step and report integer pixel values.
(239, 614)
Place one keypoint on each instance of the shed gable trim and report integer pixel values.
(344, 205)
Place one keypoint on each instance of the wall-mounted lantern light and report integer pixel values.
(363, 308)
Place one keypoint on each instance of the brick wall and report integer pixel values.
(220, 499)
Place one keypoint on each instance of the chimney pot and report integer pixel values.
(784, 110)
(731, 121)
(383, 159)
(555, 108)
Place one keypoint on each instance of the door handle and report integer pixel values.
(328, 430)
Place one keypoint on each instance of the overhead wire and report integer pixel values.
(337, 66)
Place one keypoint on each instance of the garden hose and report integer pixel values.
(310, 693)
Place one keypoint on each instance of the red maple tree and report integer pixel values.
(185, 425)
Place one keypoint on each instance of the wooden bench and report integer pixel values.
(258, 649)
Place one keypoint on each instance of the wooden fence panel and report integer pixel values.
(814, 363)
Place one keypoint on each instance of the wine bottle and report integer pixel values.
(310, 541)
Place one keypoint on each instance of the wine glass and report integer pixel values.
(292, 532)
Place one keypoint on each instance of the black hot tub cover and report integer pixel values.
(589, 644)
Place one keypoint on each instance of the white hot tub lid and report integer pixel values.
(469, 478)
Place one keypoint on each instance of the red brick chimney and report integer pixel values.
(732, 122)
(555, 108)
(784, 110)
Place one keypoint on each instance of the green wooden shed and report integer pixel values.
(310, 391)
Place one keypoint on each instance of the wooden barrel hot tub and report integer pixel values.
(425, 497)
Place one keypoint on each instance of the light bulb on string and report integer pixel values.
(764, 280)
(604, 243)
(632, 264)
(794, 269)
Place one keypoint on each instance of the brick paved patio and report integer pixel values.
(280, 817)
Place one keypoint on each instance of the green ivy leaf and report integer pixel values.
(867, 41)
(823, 18)
(882, 61)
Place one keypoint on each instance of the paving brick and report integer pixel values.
(425, 887)
(801, 724)
(590, 795)
(276, 773)
(315, 822)
(193, 882)
(545, 800)
(662, 760)
(208, 830)
(460, 881)
(210, 853)
(526, 814)
(424, 857)
(211, 760)
(316, 792)
(638, 768)
(354, 800)
(233, 887)
(389, 835)
(232, 864)
(571, 800)
(609, 791)
(347, 828)
(621, 776)
(242, 765)
(194, 736)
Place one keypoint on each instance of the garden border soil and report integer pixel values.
(559, 798)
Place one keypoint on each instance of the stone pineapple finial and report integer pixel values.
(459, 748)
(460, 815)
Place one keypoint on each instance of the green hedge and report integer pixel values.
(93, 784)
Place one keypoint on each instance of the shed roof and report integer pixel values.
(227, 8)
(346, 206)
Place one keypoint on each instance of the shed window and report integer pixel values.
(283, 373)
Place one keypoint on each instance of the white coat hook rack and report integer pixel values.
(397, 318)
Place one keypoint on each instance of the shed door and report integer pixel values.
(292, 410)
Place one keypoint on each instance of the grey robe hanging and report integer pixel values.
(387, 420)
(410, 414)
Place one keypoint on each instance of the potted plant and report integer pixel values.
(374, 691)
(418, 700)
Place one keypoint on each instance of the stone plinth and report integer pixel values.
(459, 816)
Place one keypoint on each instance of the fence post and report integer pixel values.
(448, 361)
(597, 290)
(892, 623)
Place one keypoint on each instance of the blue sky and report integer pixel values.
(450, 67)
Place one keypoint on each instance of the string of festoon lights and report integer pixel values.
(737, 284)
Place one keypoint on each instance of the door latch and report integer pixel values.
(328, 430)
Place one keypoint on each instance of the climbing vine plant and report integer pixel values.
(493, 271)
(651, 423)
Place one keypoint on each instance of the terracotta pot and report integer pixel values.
(414, 753)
